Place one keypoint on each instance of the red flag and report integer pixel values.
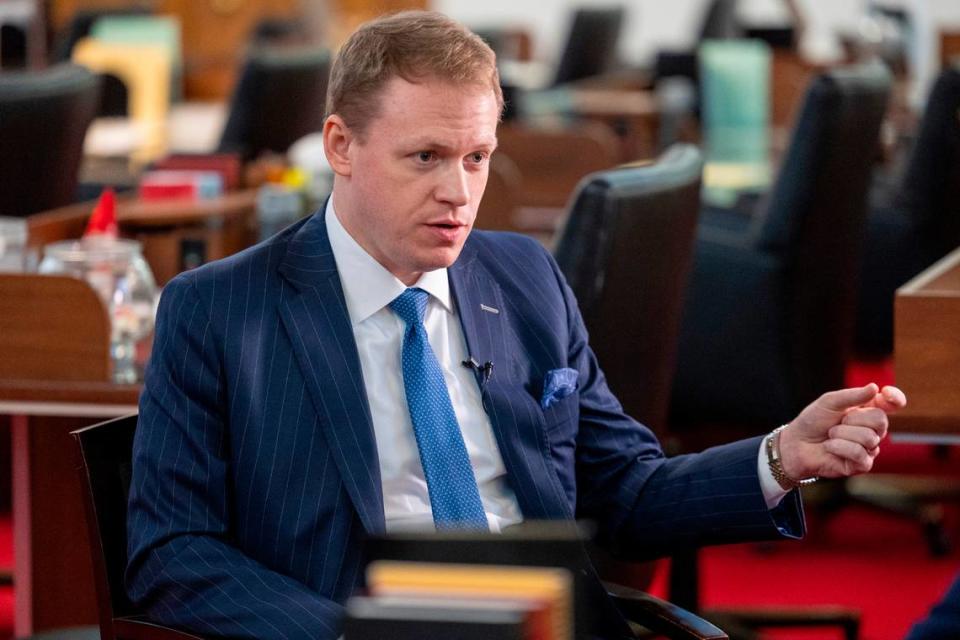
(104, 218)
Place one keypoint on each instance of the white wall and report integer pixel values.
(657, 24)
(651, 24)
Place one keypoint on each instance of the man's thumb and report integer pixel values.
(844, 399)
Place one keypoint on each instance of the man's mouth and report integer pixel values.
(447, 231)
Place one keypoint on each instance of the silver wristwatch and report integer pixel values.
(776, 467)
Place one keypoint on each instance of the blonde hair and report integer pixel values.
(413, 45)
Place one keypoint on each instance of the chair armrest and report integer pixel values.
(661, 616)
(139, 628)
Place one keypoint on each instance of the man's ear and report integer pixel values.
(337, 138)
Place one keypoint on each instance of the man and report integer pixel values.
(377, 366)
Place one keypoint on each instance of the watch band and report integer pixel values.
(776, 467)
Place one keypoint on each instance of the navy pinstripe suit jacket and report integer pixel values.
(256, 473)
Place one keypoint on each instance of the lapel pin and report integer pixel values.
(484, 307)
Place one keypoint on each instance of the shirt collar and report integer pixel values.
(367, 285)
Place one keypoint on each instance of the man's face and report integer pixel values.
(410, 191)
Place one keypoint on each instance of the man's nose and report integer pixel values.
(453, 187)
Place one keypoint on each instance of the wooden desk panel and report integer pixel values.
(52, 328)
(927, 349)
(53, 573)
(223, 226)
(54, 372)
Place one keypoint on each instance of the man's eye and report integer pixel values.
(425, 156)
(478, 157)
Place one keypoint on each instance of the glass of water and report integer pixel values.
(116, 270)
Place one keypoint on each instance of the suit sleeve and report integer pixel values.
(647, 505)
(183, 568)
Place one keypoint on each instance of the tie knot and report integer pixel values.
(410, 305)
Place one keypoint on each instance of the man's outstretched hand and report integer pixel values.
(839, 433)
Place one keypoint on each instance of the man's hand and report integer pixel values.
(839, 433)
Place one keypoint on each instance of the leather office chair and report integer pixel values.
(719, 22)
(106, 452)
(591, 44)
(912, 224)
(768, 321)
(45, 114)
(769, 316)
(626, 251)
(917, 221)
(279, 98)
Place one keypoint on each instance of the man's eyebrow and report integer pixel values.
(428, 143)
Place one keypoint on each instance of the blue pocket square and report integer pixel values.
(558, 384)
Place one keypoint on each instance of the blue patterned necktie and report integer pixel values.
(454, 496)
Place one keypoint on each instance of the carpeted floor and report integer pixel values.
(873, 562)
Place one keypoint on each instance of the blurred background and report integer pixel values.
(819, 248)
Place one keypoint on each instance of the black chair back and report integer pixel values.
(720, 21)
(931, 185)
(591, 44)
(769, 319)
(626, 251)
(816, 217)
(106, 452)
(44, 117)
(280, 97)
(914, 220)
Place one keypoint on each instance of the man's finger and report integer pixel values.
(844, 399)
(866, 437)
(850, 451)
(871, 417)
(889, 399)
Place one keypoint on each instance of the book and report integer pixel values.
(193, 185)
(545, 589)
(533, 543)
(420, 618)
(228, 165)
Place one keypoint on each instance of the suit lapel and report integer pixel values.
(315, 316)
(517, 423)
(480, 306)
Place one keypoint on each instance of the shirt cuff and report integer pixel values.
(773, 493)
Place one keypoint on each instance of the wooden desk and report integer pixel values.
(168, 230)
(634, 114)
(53, 576)
(54, 373)
(54, 378)
(927, 353)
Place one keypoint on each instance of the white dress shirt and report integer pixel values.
(368, 288)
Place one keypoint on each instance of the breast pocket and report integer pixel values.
(561, 418)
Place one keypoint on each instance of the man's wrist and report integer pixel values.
(775, 463)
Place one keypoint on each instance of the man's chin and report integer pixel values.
(441, 258)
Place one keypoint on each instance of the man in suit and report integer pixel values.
(943, 621)
(378, 366)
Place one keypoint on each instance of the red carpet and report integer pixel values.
(6, 593)
(870, 561)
